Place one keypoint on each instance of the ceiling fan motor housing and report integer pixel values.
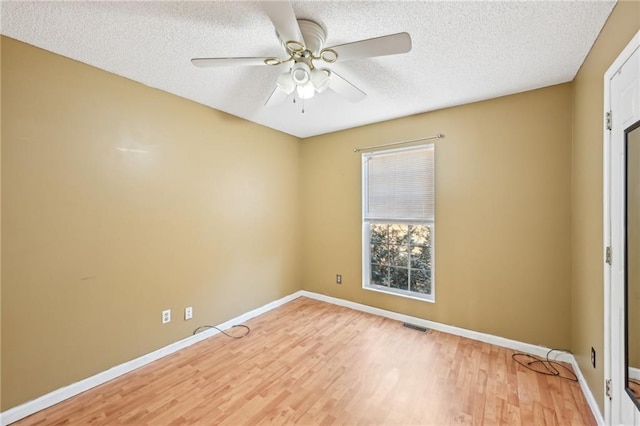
(314, 36)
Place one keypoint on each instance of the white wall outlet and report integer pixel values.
(166, 316)
(188, 313)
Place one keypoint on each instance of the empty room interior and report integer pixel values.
(226, 212)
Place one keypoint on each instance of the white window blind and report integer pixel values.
(400, 184)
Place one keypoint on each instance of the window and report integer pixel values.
(398, 221)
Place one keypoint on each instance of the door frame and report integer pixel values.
(626, 53)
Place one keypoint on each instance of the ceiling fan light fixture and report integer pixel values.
(320, 79)
(285, 83)
(300, 73)
(305, 91)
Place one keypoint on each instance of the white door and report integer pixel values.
(622, 96)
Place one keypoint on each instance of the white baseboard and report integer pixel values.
(634, 373)
(59, 395)
(591, 400)
(463, 332)
(475, 335)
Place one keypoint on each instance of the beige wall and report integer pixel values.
(97, 241)
(587, 323)
(502, 215)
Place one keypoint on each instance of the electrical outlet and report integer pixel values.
(188, 313)
(339, 279)
(593, 357)
(166, 316)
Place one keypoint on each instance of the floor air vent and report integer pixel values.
(414, 327)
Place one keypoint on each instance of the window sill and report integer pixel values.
(395, 292)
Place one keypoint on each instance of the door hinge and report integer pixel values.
(608, 120)
(607, 255)
(608, 388)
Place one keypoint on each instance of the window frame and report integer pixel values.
(366, 237)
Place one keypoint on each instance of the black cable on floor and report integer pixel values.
(206, 327)
(551, 368)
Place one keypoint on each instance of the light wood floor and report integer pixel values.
(309, 362)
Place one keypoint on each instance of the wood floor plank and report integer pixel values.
(313, 363)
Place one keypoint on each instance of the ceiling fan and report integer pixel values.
(303, 41)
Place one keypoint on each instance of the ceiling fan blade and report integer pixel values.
(345, 89)
(276, 98)
(223, 62)
(380, 46)
(284, 20)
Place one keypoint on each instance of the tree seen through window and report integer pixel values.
(400, 256)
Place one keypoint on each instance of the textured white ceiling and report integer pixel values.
(462, 51)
